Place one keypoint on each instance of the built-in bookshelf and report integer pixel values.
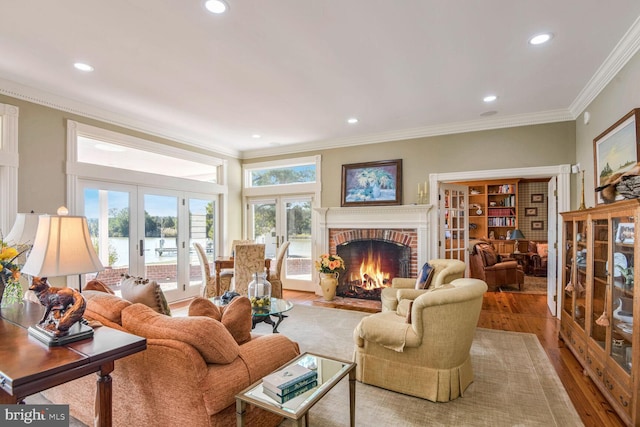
(493, 208)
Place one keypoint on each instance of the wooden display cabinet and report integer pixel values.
(600, 311)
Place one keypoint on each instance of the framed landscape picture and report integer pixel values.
(537, 225)
(616, 150)
(530, 211)
(372, 183)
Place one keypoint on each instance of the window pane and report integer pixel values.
(103, 153)
(285, 175)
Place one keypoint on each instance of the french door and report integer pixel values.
(275, 220)
(454, 238)
(150, 232)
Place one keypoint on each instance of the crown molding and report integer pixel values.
(626, 48)
(543, 117)
(46, 99)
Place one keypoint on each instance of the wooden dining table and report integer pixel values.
(228, 262)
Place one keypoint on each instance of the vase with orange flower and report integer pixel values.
(328, 267)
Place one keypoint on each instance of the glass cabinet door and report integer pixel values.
(580, 279)
(600, 250)
(622, 258)
(567, 301)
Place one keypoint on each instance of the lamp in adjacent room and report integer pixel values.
(62, 247)
(516, 235)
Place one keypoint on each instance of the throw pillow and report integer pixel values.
(424, 276)
(235, 316)
(102, 305)
(488, 254)
(149, 293)
(208, 336)
(97, 285)
(543, 249)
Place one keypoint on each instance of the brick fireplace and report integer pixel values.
(377, 244)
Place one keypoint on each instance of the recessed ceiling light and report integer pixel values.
(83, 67)
(256, 136)
(489, 98)
(540, 38)
(216, 6)
(352, 120)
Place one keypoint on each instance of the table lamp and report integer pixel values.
(516, 235)
(23, 231)
(62, 247)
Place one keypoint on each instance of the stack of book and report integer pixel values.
(288, 383)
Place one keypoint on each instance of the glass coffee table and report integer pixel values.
(277, 308)
(330, 371)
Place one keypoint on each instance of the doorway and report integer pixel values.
(276, 220)
(562, 181)
(149, 232)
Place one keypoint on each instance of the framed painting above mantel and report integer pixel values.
(372, 183)
(616, 149)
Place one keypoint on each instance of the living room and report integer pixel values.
(563, 138)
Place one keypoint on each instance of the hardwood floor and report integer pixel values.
(509, 311)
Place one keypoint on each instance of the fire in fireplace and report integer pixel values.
(370, 265)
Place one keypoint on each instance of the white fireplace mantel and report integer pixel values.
(403, 216)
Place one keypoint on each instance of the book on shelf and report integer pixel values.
(287, 377)
(288, 396)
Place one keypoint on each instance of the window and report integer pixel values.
(282, 175)
(8, 165)
(280, 197)
(147, 204)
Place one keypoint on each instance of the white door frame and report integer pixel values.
(563, 174)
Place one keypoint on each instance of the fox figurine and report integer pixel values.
(64, 306)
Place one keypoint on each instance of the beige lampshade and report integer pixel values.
(23, 231)
(62, 247)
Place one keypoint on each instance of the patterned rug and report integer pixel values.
(532, 285)
(515, 384)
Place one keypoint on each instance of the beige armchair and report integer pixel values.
(445, 271)
(424, 352)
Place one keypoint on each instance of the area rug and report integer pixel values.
(531, 285)
(515, 384)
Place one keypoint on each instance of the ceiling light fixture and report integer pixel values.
(256, 136)
(540, 38)
(216, 6)
(489, 98)
(352, 120)
(83, 67)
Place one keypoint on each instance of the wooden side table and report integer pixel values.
(47, 367)
(523, 260)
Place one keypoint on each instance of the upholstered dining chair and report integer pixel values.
(235, 243)
(275, 277)
(209, 286)
(249, 259)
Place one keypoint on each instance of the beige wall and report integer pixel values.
(525, 146)
(42, 151)
(619, 97)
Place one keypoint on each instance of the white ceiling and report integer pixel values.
(293, 71)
